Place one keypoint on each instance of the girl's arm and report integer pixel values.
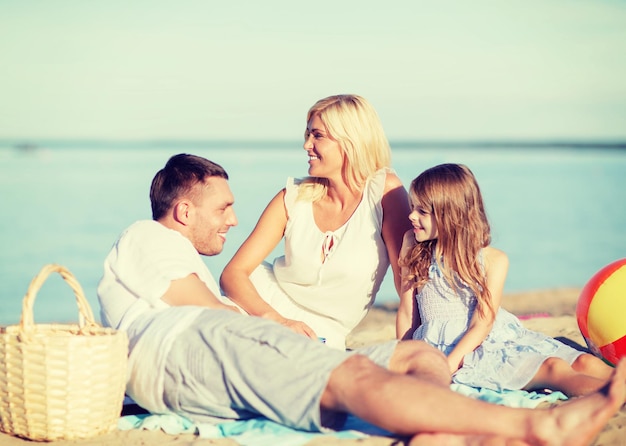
(407, 318)
(496, 268)
(395, 204)
(235, 279)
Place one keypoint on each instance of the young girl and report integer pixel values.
(452, 288)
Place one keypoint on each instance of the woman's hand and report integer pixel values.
(298, 327)
(295, 326)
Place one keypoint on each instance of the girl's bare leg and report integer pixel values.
(574, 380)
(593, 366)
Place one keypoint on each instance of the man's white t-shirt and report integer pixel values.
(138, 271)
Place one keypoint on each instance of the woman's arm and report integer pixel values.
(235, 279)
(396, 222)
(496, 268)
(407, 318)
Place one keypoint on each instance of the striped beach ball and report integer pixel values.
(601, 312)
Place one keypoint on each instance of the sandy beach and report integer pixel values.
(549, 311)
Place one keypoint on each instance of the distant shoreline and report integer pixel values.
(397, 144)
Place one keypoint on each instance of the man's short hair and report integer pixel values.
(181, 173)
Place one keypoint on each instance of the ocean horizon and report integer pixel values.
(470, 143)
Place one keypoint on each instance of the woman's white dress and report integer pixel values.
(328, 280)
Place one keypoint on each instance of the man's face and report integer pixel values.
(213, 215)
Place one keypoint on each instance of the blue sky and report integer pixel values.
(203, 69)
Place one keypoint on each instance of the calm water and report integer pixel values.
(560, 214)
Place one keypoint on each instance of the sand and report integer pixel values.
(553, 313)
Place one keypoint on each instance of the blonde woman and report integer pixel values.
(342, 228)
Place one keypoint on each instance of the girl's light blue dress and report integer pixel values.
(508, 358)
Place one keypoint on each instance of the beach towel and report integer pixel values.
(263, 432)
(510, 398)
(253, 432)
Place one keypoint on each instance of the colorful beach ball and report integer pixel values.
(601, 312)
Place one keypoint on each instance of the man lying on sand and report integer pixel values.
(193, 355)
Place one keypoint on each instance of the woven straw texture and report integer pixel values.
(60, 381)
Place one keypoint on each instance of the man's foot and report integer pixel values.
(574, 423)
(578, 421)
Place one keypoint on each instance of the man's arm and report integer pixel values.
(191, 290)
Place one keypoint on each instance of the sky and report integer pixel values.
(249, 70)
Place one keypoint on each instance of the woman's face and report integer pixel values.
(325, 154)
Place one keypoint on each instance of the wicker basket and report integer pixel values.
(60, 381)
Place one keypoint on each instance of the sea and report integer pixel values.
(557, 209)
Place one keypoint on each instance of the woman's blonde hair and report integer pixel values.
(451, 194)
(351, 121)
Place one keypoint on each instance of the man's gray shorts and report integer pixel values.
(226, 366)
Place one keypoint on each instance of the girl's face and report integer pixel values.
(325, 154)
(423, 221)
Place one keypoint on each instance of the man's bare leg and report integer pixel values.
(422, 360)
(407, 405)
(464, 440)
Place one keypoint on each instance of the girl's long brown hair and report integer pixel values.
(451, 193)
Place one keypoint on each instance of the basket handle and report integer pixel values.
(85, 315)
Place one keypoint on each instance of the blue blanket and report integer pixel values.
(263, 432)
(510, 398)
(254, 432)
